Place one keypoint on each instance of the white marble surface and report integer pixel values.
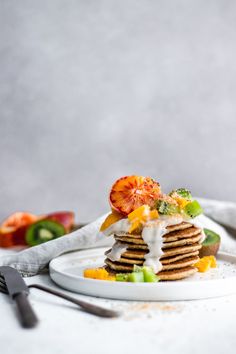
(202, 326)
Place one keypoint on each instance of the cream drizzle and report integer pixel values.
(152, 234)
(117, 250)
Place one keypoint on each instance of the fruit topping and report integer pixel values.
(166, 208)
(12, 230)
(149, 275)
(43, 231)
(193, 209)
(181, 192)
(66, 218)
(139, 275)
(16, 220)
(98, 273)
(136, 277)
(113, 217)
(122, 276)
(130, 192)
(211, 244)
(140, 215)
(205, 263)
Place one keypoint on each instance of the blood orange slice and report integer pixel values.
(12, 230)
(18, 219)
(130, 192)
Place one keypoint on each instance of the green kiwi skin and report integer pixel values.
(211, 245)
(210, 250)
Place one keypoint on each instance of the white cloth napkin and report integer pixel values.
(33, 260)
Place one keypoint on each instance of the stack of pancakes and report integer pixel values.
(181, 245)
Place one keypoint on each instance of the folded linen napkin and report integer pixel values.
(33, 260)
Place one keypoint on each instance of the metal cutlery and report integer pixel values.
(18, 291)
(12, 283)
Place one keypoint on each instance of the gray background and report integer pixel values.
(93, 90)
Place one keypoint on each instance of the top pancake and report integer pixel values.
(182, 226)
(171, 239)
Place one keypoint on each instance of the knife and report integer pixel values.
(19, 292)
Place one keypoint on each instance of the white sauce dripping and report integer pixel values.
(117, 250)
(152, 234)
(119, 226)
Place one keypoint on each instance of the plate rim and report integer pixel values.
(125, 284)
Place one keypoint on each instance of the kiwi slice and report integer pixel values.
(211, 244)
(166, 208)
(182, 192)
(193, 209)
(43, 231)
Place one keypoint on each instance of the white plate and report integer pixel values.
(67, 271)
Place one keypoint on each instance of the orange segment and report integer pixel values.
(130, 192)
(98, 273)
(205, 263)
(111, 219)
(213, 261)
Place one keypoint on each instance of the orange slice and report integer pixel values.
(205, 263)
(17, 220)
(98, 273)
(111, 219)
(130, 192)
(12, 230)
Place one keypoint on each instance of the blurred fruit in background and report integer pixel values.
(26, 229)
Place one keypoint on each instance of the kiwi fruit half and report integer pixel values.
(211, 244)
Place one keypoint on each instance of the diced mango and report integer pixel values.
(205, 263)
(140, 215)
(213, 261)
(182, 202)
(98, 273)
(153, 214)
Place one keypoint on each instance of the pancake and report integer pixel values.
(119, 267)
(182, 250)
(140, 254)
(170, 229)
(182, 242)
(185, 262)
(177, 274)
(131, 261)
(137, 247)
(167, 260)
(126, 234)
(167, 274)
(177, 264)
(130, 239)
(125, 264)
(133, 254)
(176, 235)
(167, 247)
(183, 225)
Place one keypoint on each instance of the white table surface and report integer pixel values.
(203, 326)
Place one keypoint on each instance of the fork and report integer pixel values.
(86, 306)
